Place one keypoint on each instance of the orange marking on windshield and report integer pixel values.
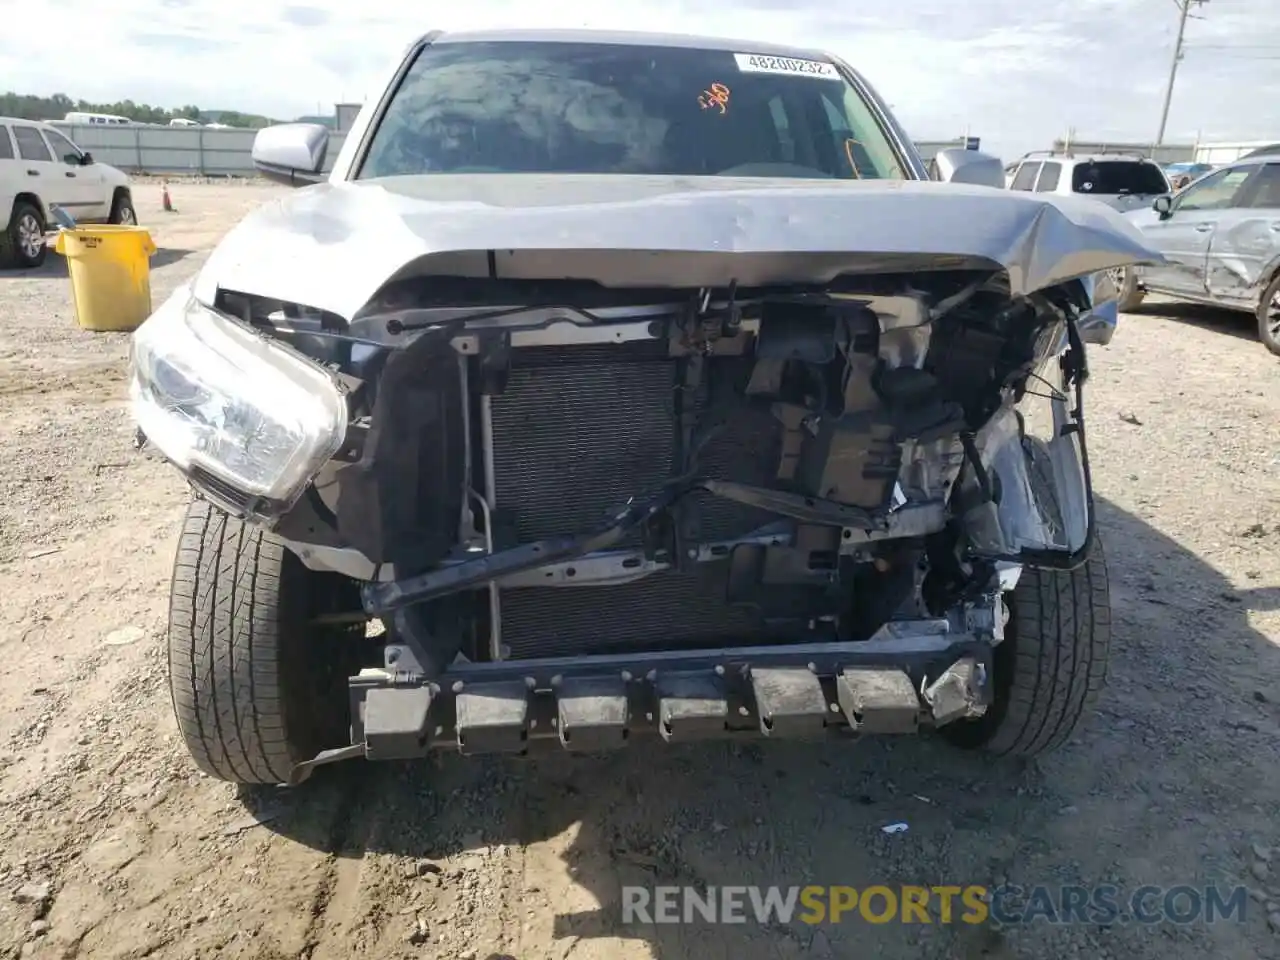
(849, 144)
(716, 95)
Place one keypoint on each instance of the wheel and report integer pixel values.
(22, 243)
(1269, 316)
(1130, 294)
(256, 686)
(122, 209)
(1052, 664)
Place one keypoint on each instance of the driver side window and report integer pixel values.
(1216, 192)
(848, 149)
(63, 149)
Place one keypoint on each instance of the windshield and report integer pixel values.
(539, 107)
(1118, 176)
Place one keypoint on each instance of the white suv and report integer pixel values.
(39, 166)
(1121, 181)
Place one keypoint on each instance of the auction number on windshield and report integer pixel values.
(758, 63)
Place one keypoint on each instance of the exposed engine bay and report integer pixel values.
(543, 468)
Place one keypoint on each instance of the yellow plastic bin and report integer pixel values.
(110, 269)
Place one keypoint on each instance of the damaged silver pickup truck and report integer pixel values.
(623, 384)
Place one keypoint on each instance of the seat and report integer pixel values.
(705, 142)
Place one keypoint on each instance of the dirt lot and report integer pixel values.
(111, 845)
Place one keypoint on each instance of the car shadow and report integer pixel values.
(1235, 323)
(167, 255)
(788, 813)
(55, 265)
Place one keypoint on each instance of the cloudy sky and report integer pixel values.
(1015, 72)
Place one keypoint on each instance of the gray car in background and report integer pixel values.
(1221, 240)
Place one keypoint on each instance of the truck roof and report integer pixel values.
(631, 38)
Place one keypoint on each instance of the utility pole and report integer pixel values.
(1184, 8)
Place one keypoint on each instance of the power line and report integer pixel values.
(1184, 9)
(1237, 53)
(1230, 47)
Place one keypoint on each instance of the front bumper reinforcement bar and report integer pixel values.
(896, 685)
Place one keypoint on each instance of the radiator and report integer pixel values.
(577, 432)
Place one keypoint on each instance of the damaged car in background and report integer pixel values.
(1221, 240)
(615, 384)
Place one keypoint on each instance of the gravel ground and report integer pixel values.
(111, 845)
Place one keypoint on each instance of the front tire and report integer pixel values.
(1052, 665)
(1269, 316)
(122, 211)
(257, 687)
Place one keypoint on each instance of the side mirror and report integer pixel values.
(955, 165)
(291, 153)
(1163, 205)
(84, 159)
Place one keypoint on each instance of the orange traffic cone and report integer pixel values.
(164, 196)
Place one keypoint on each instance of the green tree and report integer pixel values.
(27, 106)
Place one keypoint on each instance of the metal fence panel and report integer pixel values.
(928, 149)
(177, 151)
(202, 151)
(1227, 152)
(1165, 153)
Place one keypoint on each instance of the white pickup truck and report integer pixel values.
(38, 167)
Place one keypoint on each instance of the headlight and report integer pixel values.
(212, 394)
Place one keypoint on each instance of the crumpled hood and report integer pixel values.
(333, 245)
